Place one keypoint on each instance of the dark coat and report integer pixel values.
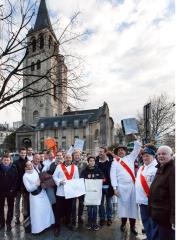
(20, 164)
(162, 195)
(8, 180)
(92, 173)
(52, 168)
(105, 168)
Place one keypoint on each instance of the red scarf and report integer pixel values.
(126, 167)
(144, 183)
(67, 175)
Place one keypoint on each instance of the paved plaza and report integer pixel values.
(105, 233)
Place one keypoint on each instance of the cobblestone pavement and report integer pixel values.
(105, 233)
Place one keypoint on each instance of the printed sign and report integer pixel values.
(79, 144)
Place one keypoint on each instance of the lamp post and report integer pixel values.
(147, 122)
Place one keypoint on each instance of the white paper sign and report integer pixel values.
(130, 126)
(71, 150)
(79, 144)
(93, 192)
(74, 188)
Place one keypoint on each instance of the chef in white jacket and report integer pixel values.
(41, 213)
(123, 182)
(145, 176)
(64, 172)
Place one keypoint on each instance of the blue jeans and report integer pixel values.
(151, 228)
(92, 214)
(108, 212)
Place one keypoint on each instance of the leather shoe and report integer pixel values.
(56, 232)
(2, 226)
(109, 222)
(102, 222)
(134, 231)
(122, 228)
(17, 221)
(9, 228)
(80, 221)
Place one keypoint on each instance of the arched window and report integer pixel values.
(33, 42)
(38, 64)
(50, 41)
(96, 134)
(32, 66)
(41, 41)
(35, 116)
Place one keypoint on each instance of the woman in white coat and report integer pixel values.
(41, 213)
(145, 176)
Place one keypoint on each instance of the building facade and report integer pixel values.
(46, 116)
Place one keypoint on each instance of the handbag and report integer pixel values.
(46, 180)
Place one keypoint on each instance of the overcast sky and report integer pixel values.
(128, 52)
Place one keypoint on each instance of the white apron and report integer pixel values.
(41, 213)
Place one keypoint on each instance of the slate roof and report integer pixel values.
(83, 117)
(26, 128)
(43, 19)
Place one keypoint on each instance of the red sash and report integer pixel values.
(144, 183)
(67, 175)
(126, 167)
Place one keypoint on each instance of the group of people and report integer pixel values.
(39, 179)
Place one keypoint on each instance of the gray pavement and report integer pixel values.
(105, 233)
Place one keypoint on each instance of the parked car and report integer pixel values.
(15, 156)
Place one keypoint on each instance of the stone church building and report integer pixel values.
(47, 115)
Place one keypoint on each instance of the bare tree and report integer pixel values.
(162, 116)
(140, 122)
(169, 139)
(16, 17)
(120, 138)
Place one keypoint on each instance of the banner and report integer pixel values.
(93, 192)
(74, 188)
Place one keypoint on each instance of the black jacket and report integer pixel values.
(105, 168)
(162, 195)
(20, 164)
(92, 173)
(8, 180)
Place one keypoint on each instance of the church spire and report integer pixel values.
(42, 20)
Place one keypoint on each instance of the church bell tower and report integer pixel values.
(45, 73)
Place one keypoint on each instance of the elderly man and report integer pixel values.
(37, 162)
(123, 182)
(64, 171)
(58, 160)
(49, 158)
(162, 194)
